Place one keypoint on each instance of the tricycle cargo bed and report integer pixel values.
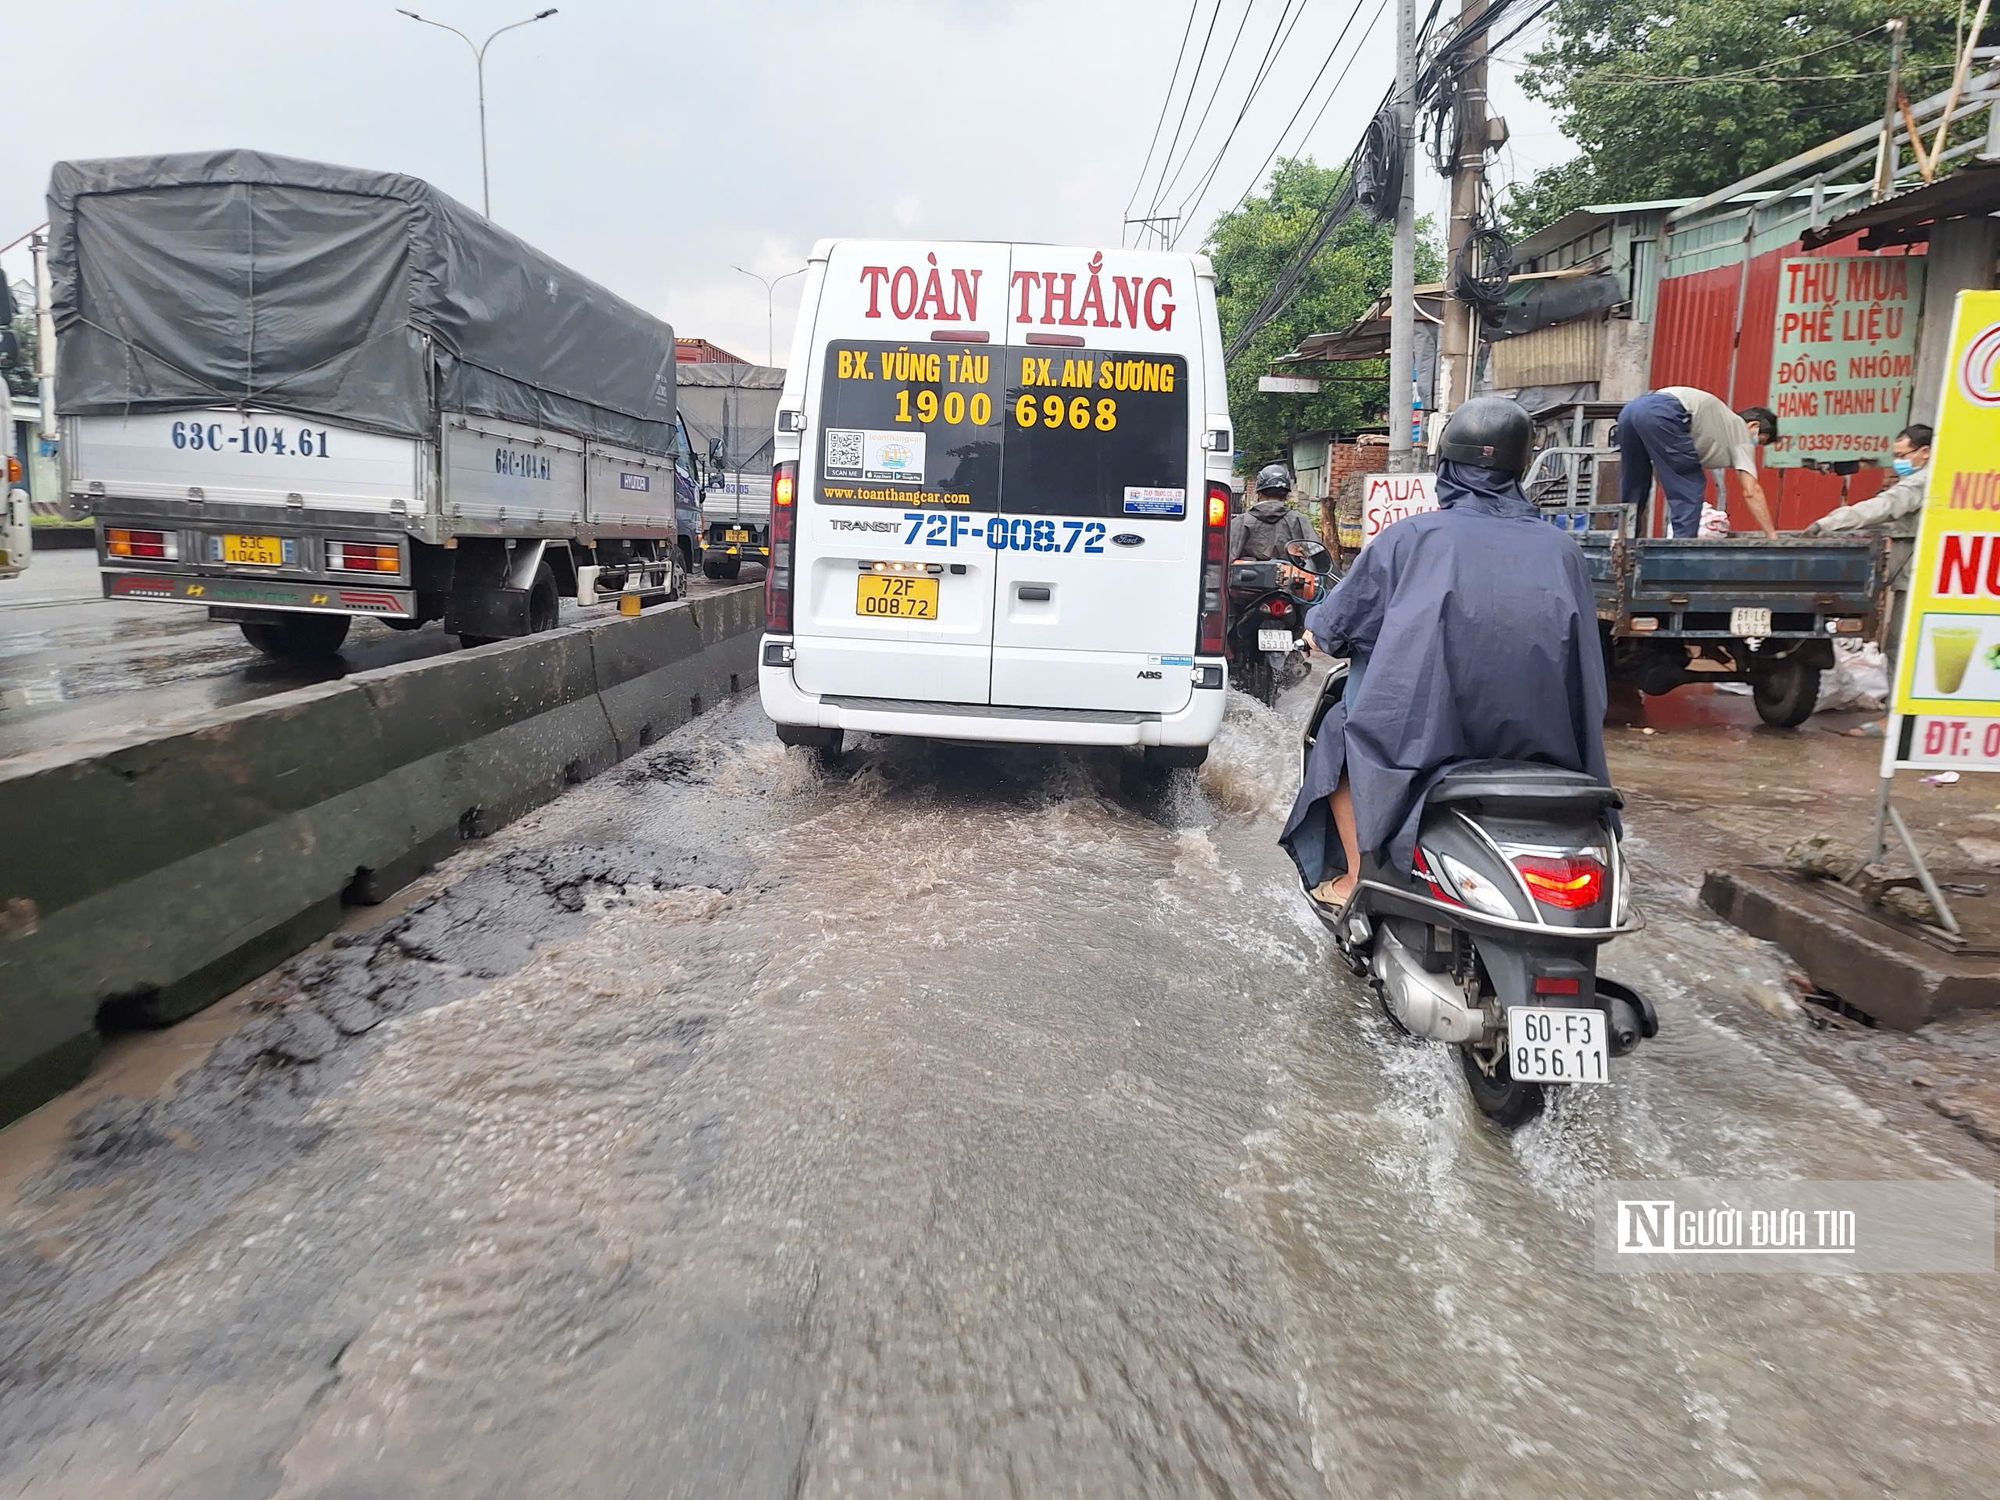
(1691, 587)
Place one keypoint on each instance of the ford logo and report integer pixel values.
(1128, 539)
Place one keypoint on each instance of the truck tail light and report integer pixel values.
(153, 546)
(363, 557)
(1209, 635)
(1569, 882)
(778, 576)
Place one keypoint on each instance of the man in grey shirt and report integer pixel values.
(1684, 433)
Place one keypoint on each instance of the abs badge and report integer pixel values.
(1128, 539)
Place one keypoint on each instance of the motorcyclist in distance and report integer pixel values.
(1471, 634)
(1263, 530)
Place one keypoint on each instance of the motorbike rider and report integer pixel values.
(1471, 634)
(1263, 530)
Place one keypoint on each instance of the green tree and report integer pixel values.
(1250, 248)
(1676, 101)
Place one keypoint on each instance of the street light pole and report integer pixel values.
(770, 286)
(479, 64)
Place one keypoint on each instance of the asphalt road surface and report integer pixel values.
(955, 1121)
(74, 664)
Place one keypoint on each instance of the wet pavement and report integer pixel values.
(964, 1121)
(74, 664)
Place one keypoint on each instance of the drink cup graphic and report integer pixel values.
(1951, 652)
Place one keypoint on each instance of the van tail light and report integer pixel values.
(1569, 882)
(1214, 543)
(778, 577)
(154, 546)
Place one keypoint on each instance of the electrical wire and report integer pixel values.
(1165, 103)
(1214, 93)
(1194, 81)
(1305, 98)
(1272, 50)
(1485, 289)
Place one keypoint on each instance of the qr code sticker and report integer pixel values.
(843, 448)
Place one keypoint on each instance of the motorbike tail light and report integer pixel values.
(1552, 984)
(778, 576)
(155, 546)
(1210, 633)
(1569, 882)
(1277, 607)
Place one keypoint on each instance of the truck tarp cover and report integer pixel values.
(235, 278)
(730, 410)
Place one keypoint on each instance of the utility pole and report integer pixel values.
(1886, 153)
(1403, 258)
(1468, 177)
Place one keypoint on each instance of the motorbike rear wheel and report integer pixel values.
(1255, 677)
(1506, 1102)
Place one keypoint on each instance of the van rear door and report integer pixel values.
(1098, 567)
(900, 473)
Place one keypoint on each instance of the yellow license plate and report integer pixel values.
(265, 551)
(897, 598)
(736, 534)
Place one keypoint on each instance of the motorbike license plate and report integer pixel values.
(736, 534)
(897, 598)
(1548, 1045)
(1751, 624)
(1274, 640)
(264, 551)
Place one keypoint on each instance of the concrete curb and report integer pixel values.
(1899, 980)
(143, 877)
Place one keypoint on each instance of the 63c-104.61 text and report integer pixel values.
(278, 442)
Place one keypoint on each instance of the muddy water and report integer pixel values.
(951, 1121)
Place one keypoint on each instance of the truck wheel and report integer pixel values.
(721, 567)
(298, 637)
(1785, 699)
(544, 603)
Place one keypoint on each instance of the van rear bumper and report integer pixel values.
(784, 703)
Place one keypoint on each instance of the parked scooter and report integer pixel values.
(1268, 601)
(1491, 943)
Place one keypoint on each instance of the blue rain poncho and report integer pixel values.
(1473, 635)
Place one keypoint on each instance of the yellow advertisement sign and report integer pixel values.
(1948, 671)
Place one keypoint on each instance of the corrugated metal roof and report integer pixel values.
(1972, 189)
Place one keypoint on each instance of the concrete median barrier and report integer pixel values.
(145, 876)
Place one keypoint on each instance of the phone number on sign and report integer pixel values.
(1935, 740)
(279, 442)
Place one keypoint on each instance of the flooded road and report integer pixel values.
(953, 1121)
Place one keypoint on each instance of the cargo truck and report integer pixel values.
(730, 408)
(296, 394)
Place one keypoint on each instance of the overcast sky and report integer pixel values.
(654, 144)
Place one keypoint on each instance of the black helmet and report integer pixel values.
(1274, 479)
(1489, 432)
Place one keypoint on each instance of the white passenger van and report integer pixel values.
(1001, 499)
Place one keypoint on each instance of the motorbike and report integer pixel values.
(1268, 600)
(1490, 942)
